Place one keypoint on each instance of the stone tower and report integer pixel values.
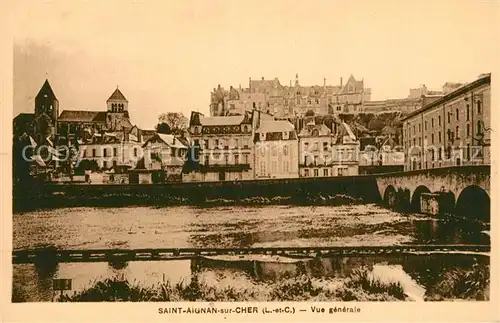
(117, 116)
(46, 113)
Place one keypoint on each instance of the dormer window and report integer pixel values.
(262, 136)
(285, 135)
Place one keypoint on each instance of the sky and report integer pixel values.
(167, 56)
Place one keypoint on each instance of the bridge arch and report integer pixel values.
(415, 205)
(390, 197)
(474, 203)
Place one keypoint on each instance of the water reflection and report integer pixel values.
(425, 270)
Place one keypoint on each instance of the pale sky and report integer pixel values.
(168, 55)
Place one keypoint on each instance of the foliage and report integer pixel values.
(471, 284)
(359, 286)
(175, 120)
(163, 128)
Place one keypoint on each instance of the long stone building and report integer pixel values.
(287, 101)
(453, 130)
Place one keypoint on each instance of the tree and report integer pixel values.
(175, 120)
(163, 128)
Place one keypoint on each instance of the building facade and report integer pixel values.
(453, 130)
(284, 102)
(223, 146)
(168, 153)
(276, 149)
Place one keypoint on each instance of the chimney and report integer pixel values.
(324, 82)
(290, 83)
(240, 86)
(263, 78)
(218, 86)
(340, 81)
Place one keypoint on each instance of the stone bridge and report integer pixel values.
(464, 190)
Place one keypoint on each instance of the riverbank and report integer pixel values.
(300, 191)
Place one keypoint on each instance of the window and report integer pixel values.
(468, 151)
(236, 143)
(316, 173)
(226, 158)
(420, 141)
(457, 132)
(439, 120)
(206, 160)
(325, 172)
(93, 153)
(478, 103)
(458, 115)
(432, 123)
(104, 164)
(419, 127)
(114, 163)
(439, 136)
(135, 152)
(285, 150)
(306, 172)
(246, 158)
(105, 152)
(432, 154)
(449, 117)
(315, 160)
(468, 130)
(468, 112)
(216, 143)
(84, 153)
(236, 159)
(425, 126)
(413, 129)
(115, 152)
(325, 146)
(479, 127)
(432, 138)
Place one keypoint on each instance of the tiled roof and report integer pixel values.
(275, 126)
(82, 116)
(221, 121)
(24, 117)
(117, 95)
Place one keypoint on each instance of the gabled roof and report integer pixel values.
(82, 116)
(169, 140)
(308, 130)
(46, 89)
(117, 96)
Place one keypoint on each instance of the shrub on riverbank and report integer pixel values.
(460, 283)
(357, 287)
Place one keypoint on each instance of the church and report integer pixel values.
(89, 131)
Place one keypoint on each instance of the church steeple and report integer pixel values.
(117, 102)
(46, 102)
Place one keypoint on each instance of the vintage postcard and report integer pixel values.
(250, 161)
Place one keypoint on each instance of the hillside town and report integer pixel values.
(264, 131)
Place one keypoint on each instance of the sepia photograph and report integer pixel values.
(267, 151)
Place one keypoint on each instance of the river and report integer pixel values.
(225, 227)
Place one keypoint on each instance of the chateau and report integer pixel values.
(295, 100)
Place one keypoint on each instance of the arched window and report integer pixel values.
(478, 106)
(458, 115)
